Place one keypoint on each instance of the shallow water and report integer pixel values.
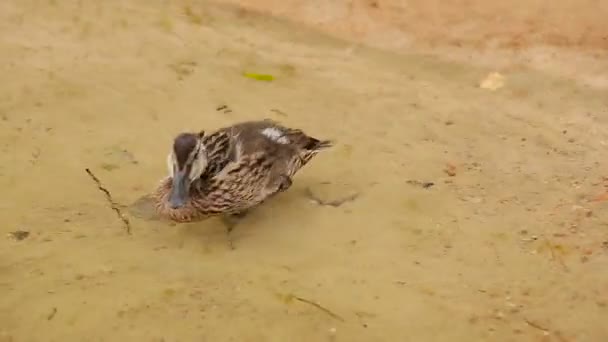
(506, 244)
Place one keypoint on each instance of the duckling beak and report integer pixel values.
(179, 191)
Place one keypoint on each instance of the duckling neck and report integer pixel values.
(193, 210)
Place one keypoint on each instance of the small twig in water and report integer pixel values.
(224, 109)
(545, 331)
(318, 306)
(425, 185)
(278, 112)
(334, 203)
(536, 325)
(51, 315)
(230, 221)
(113, 204)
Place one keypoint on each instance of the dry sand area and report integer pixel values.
(480, 208)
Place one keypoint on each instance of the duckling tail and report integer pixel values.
(317, 145)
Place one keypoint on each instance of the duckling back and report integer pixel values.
(259, 161)
(289, 147)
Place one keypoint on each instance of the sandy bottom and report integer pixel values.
(479, 215)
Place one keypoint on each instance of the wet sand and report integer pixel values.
(508, 243)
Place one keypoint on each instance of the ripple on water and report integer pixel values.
(143, 208)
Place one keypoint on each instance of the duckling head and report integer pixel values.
(186, 162)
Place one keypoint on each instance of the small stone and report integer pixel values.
(450, 169)
(492, 81)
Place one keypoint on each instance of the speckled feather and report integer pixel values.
(245, 167)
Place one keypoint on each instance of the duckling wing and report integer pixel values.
(221, 145)
(219, 153)
(240, 185)
(246, 144)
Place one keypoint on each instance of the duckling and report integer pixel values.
(232, 169)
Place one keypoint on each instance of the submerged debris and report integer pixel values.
(279, 112)
(52, 314)
(425, 185)
(19, 235)
(288, 298)
(259, 77)
(224, 109)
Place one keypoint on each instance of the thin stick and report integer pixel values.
(52, 314)
(546, 331)
(536, 325)
(318, 306)
(335, 203)
(113, 204)
(278, 112)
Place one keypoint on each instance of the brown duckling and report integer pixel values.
(232, 169)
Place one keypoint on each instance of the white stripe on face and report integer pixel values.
(171, 164)
(193, 153)
(198, 161)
